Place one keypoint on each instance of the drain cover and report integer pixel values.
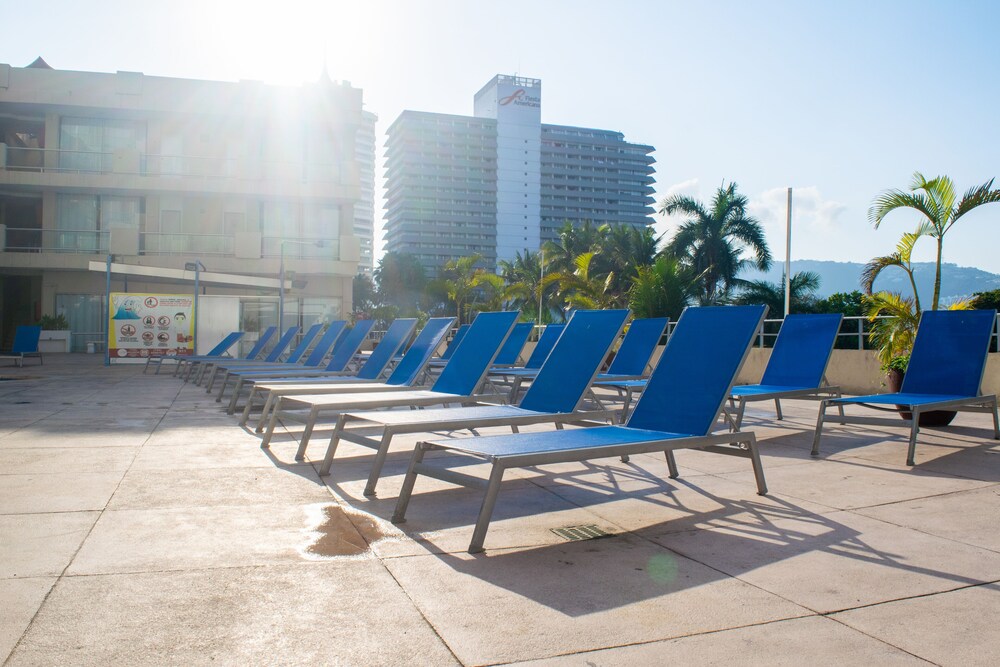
(577, 533)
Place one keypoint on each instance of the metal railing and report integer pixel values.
(95, 242)
(137, 163)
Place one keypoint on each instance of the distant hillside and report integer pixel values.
(956, 281)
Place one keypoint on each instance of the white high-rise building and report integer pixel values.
(501, 182)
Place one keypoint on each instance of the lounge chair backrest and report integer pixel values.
(348, 345)
(802, 350)
(453, 345)
(395, 337)
(265, 338)
(225, 344)
(696, 371)
(282, 344)
(416, 358)
(638, 345)
(511, 350)
(304, 343)
(475, 352)
(949, 352)
(571, 366)
(330, 336)
(26, 339)
(544, 345)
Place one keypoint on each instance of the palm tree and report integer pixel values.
(713, 240)
(802, 291)
(623, 249)
(460, 280)
(663, 289)
(583, 287)
(936, 200)
(901, 258)
(572, 242)
(894, 325)
(523, 276)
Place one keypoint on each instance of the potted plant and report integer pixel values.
(55, 335)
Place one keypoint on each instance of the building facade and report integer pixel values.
(157, 175)
(364, 210)
(501, 181)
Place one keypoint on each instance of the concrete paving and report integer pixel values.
(140, 525)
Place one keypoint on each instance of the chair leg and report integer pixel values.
(249, 407)
(331, 449)
(840, 408)
(236, 396)
(486, 511)
(671, 464)
(380, 455)
(914, 429)
(399, 514)
(819, 426)
(996, 421)
(271, 423)
(777, 408)
(758, 468)
(266, 410)
(307, 433)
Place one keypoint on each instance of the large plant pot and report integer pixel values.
(54, 341)
(894, 381)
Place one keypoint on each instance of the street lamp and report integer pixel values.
(197, 267)
(299, 284)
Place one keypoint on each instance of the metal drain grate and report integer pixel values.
(577, 533)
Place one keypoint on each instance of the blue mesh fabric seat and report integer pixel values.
(945, 373)
(240, 376)
(220, 349)
(395, 337)
(273, 360)
(678, 409)
(25, 345)
(457, 383)
(202, 362)
(511, 350)
(637, 348)
(554, 397)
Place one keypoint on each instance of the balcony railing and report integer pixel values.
(52, 160)
(34, 240)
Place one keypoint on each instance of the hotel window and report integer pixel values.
(89, 144)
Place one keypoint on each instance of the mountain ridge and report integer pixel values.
(956, 281)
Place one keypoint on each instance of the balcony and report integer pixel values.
(128, 169)
(151, 244)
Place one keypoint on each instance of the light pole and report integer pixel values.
(197, 267)
(281, 275)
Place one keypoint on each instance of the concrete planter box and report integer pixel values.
(53, 341)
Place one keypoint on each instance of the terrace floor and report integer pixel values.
(140, 525)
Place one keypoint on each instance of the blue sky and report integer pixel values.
(838, 100)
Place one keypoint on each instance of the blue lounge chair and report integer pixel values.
(394, 339)
(511, 350)
(553, 398)
(344, 351)
(945, 373)
(25, 345)
(512, 377)
(456, 384)
(677, 411)
(796, 367)
(201, 362)
(271, 357)
(216, 351)
(292, 359)
(633, 355)
(238, 375)
(403, 377)
(452, 346)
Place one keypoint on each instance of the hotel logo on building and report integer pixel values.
(521, 98)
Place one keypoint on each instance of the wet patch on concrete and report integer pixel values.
(337, 531)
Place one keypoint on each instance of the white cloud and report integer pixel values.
(811, 213)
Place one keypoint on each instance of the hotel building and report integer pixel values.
(156, 176)
(501, 181)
